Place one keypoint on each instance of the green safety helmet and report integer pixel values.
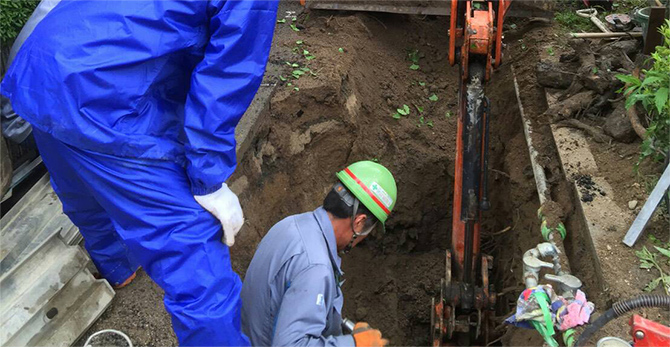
(373, 185)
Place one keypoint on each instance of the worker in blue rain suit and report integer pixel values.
(291, 294)
(134, 106)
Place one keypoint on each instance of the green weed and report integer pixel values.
(653, 92)
(652, 260)
(414, 57)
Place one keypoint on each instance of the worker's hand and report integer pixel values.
(225, 206)
(366, 336)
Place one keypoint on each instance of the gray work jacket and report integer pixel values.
(291, 294)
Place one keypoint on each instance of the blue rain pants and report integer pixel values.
(141, 212)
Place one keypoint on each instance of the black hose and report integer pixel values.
(620, 308)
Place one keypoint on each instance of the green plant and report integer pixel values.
(307, 54)
(403, 111)
(653, 92)
(294, 28)
(13, 15)
(297, 73)
(283, 20)
(433, 98)
(447, 114)
(523, 45)
(341, 50)
(569, 20)
(650, 260)
(423, 84)
(413, 56)
(550, 51)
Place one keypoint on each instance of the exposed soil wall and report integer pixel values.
(344, 114)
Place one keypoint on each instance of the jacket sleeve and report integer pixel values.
(303, 312)
(223, 85)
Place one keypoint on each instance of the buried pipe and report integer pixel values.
(556, 234)
(538, 170)
(532, 263)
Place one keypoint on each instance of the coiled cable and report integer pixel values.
(620, 308)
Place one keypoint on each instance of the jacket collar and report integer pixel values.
(329, 234)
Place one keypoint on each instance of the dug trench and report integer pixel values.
(341, 111)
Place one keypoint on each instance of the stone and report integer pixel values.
(629, 47)
(600, 82)
(617, 125)
(551, 75)
(361, 313)
(632, 204)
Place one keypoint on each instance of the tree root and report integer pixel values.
(597, 134)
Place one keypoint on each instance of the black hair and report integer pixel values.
(338, 208)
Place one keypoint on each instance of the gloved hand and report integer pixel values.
(366, 336)
(225, 206)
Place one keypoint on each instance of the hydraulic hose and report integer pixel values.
(619, 309)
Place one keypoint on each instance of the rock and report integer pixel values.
(551, 75)
(599, 82)
(632, 204)
(629, 47)
(361, 313)
(618, 125)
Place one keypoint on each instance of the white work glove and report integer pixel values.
(225, 206)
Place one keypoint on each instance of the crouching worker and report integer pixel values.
(291, 294)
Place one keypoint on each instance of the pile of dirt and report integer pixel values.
(343, 113)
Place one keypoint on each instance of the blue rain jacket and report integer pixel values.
(165, 80)
(291, 294)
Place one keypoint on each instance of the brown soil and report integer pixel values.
(344, 114)
(615, 161)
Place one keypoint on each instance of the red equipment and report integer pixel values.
(466, 297)
(648, 333)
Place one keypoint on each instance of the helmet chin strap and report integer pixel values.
(348, 248)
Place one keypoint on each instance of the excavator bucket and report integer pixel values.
(527, 8)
